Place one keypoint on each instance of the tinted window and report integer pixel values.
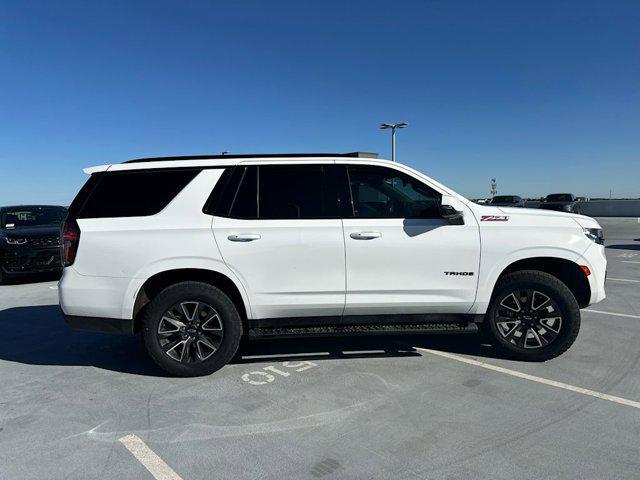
(22, 217)
(284, 192)
(295, 191)
(379, 192)
(76, 206)
(245, 201)
(132, 194)
(219, 199)
(504, 199)
(560, 197)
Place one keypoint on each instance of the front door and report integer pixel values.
(283, 238)
(401, 255)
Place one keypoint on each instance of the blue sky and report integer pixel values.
(543, 95)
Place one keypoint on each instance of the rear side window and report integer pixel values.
(270, 192)
(295, 191)
(130, 193)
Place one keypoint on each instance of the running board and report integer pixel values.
(349, 330)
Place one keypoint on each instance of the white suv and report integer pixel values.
(196, 252)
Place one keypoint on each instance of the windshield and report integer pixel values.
(503, 198)
(560, 197)
(22, 217)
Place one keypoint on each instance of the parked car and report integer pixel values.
(507, 201)
(197, 252)
(30, 240)
(561, 202)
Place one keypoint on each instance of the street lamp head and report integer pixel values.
(384, 126)
(401, 125)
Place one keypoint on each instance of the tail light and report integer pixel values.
(70, 238)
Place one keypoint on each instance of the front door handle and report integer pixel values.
(244, 237)
(365, 235)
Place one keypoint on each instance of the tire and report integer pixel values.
(548, 320)
(191, 329)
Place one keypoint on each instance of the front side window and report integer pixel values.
(379, 192)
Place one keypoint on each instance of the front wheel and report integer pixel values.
(532, 316)
(191, 329)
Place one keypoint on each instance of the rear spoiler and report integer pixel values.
(97, 168)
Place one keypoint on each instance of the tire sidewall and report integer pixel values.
(192, 291)
(559, 293)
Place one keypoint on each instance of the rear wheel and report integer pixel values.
(191, 329)
(532, 316)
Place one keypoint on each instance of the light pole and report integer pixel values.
(393, 127)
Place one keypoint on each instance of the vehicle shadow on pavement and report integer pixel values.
(624, 247)
(38, 335)
(318, 349)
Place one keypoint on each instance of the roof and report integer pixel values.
(256, 155)
(215, 161)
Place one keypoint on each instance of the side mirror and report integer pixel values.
(451, 210)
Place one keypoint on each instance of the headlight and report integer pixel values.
(15, 241)
(594, 234)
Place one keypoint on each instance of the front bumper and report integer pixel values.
(22, 260)
(594, 258)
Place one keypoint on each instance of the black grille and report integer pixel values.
(49, 241)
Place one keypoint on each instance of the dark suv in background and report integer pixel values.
(507, 201)
(30, 240)
(561, 202)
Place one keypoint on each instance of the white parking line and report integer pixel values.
(627, 261)
(147, 457)
(533, 378)
(623, 280)
(611, 313)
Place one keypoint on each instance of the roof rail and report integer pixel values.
(256, 155)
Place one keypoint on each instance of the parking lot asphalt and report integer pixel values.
(83, 405)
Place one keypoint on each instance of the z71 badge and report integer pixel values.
(494, 218)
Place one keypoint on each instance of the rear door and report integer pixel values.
(401, 255)
(283, 237)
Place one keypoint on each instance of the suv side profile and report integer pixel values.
(198, 252)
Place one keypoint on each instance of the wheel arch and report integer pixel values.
(567, 271)
(160, 280)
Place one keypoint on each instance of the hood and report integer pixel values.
(582, 220)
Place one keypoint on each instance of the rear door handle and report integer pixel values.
(244, 237)
(365, 235)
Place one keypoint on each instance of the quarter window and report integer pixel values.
(130, 194)
(379, 192)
